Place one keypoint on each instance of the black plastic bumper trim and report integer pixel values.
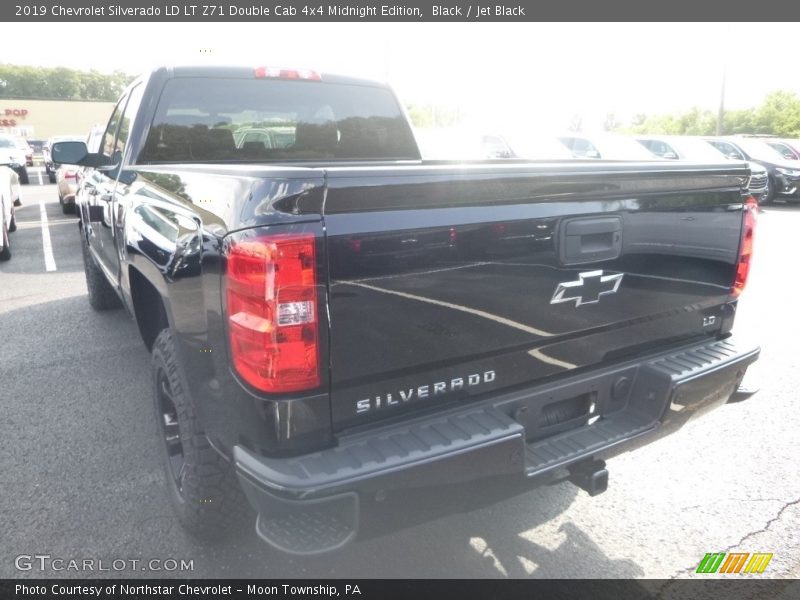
(484, 440)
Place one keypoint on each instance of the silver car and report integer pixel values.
(677, 147)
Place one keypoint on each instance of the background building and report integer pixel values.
(41, 119)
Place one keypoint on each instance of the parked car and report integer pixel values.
(608, 146)
(36, 145)
(465, 380)
(12, 156)
(456, 143)
(23, 145)
(73, 181)
(696, 149)
(9, 198)
(783, 175)
(789, 149)
(534, 146)
(49, 166)
(67, 186)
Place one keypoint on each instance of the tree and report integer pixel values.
(60, 83)
(611, 123)
(779, 114)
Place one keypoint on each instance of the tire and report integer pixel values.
(202, 485)
(5, 253)
(23, 177)
(12, 226)
(768, 195)
(101, 295)
(51, 177)
(66, 207)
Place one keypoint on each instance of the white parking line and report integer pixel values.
(39, 173)
(49, 259)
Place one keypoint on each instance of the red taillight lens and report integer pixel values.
(272, 312)
(70, 175)
(745, 246)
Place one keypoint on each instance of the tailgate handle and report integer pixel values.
(590, 239)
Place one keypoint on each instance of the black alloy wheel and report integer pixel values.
(170, 432)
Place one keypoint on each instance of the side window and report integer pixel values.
(584, 148)
(111, 128)
(118, 129)
(134, 99)
(668, 151)
(728, 150)
(784, 150)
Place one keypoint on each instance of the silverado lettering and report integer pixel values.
(288, 257)
(424, 391)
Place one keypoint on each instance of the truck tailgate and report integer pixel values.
(448, 283)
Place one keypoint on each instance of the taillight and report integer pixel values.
(70, 175)
(272, 312)
(745, 246)
(280, 73)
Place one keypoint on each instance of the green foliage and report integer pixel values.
(60, 83)
(778, 114)
(692, 122)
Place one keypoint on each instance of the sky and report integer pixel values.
(534, 76)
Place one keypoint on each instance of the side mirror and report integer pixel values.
(670, 155)
(71, 153)
(75, 153)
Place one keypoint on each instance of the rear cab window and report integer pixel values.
(207, 119)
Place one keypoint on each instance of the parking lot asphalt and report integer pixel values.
(80, 475)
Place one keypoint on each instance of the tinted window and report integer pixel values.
(580, 147)
(784, 150)
(658, 147)
(111, 128)
(728, 150)
(759, 150)
(251, 120)
(131, 108)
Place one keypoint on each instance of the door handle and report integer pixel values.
(590, 239)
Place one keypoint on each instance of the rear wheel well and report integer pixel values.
(148, 308)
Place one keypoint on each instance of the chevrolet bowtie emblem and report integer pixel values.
(588, 289)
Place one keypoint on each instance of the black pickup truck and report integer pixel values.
(335, 322)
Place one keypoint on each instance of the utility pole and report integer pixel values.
(721, 113)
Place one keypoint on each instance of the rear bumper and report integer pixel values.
(68, 195)
(313, 503)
